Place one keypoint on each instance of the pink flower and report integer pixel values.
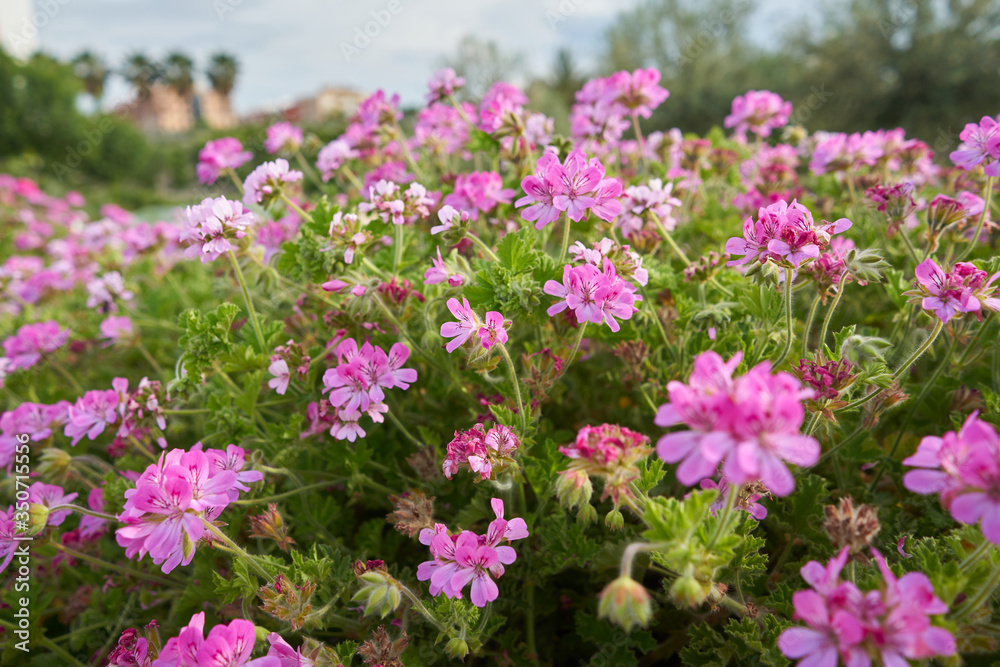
(116, 329)
(267, 182)
(759, 111)
(481, 451)
(212, 224)
(282, 376)
(25, 348)
(963, 289)
(783, 233)
(541, 189)
(225, 153)
(478, 191)
(748, 505)
(226, 646)
(283, 137)
(440, 272)
(493, 332)
(466, 325)
(749, 425)
(392, 204)
(443, 84)
(51, 495)
(449, 218)
(9, 534)
(287, 656)
(979, 143)
(333, 156)
(91, 414)
(594, 296)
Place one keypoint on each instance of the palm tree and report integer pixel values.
(141, 72)
(222, 71)
(91, 69)
(178, 73)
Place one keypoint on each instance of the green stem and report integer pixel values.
(902, 369)
(639, 139)
(421, 609)
(517, 388)
(235, 179)
(839, 445)
(909, 245)
(397, 249)
(529, 622)
(975, 556)
(790, 336)
(295, 207)
(187, 411)
(478, 241)
(982, 220)
(308, 169)
(246, 297)
(669, 239)
(83, 510)
(236, 548)
(355, 181)
(808, 326)
(565, 240)
(286, 494)
(973, 603)
(409, 436)
(576, 346)
(724, 520)
(149, 357)
(66, 374)
(829, 314)
(114, 567)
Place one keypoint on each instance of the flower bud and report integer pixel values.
(457, 648)
(38, 518)
(573, 487)
(586, 514)
(380, 593)
(615, 520)
(688, 591)
(625, 602)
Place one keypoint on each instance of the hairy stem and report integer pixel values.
(258, 332)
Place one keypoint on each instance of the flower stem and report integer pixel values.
(808, 326)
(576, 346)
(149, 357)
(246, 297)
(982, 220)
(235, 179)
(902, 369)
(565, 240)
(409, 436)
(83, 510)
(397, 249)
(114, 567)
(286, 494)
(639, 139)
(308, 169)
(421, 609)
(973, 603)
(355, 181)
(975, 556)
(66, 374)
(517, 388)
(478, 241)
(299, 211)
(909, 245)
(669, 239)
(724, 520)
(829, 314)
(790, 336)
(235, 548)
(49, 644)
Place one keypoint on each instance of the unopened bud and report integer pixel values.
(38, 518)
(573, 487)
(457, 648)
(689, 592)
(586, 514)
(380, 593)
(615, 520)
(625, 602)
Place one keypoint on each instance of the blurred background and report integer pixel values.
(116, 97)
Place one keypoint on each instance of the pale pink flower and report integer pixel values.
(466, 324)
(494, 331)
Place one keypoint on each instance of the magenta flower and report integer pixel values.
(9, 534)
(475, 562)
(481, 451)
(267, 182)
(493, 331)
(759, 111)
(443, 84)
(225, 153)
(784, 233)
(479, 191)
(25, 348)
(211, 225)
(980, 143)
(540, 191)
(91, 414)
(963, 289)
(116, 329)
(441, 272)
(592, 295)
(51, 495)
(466, 325)
(891, 622)
(333, 156)
(283, 137)
(226, 646)
(750, 425)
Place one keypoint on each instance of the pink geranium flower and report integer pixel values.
(467, 323)
(493, 331)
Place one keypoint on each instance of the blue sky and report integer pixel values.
(290, 48)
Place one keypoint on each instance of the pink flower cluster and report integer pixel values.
(607, 451)
(594, 295)
(165, 514)
(759, 111)
(467, 557)
(605, 104)
(36, 420)
(574, 186)
(333, 156)
(963, 289)
(963, 468)
(479, 191)
(225, 153)
(285, 358)
(627, 263)
(641, 201)
(267, 182)
(891, 622)
(212, 224)
(441, 272)
(283, 137)
(980, 145)
(784, 233)
(357, 385)
(481, 451)
(749, 424)
(97, 409)
(441, 130)
(395, 205)
(838, 151)
(25, 348)
(443, 84)
(225, 646)
(896, 201)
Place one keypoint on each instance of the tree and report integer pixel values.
(482, 63)
(222, 71)
(93, 72)
(141, 73)
(178, 73)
